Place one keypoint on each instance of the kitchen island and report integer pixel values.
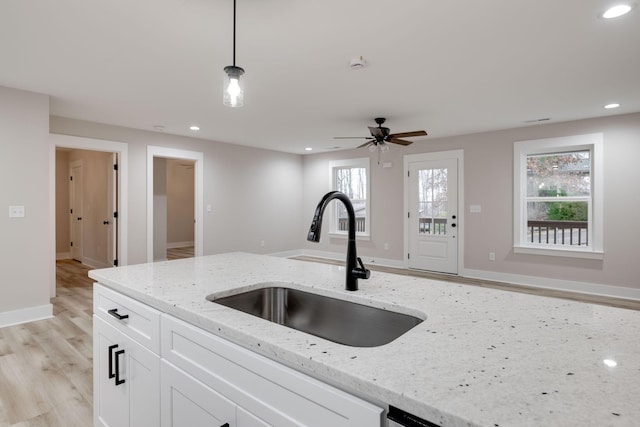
(481, 357)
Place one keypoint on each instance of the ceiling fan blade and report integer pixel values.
(352, 137)
(377, 133)
(366, 144)
(408, 134)
(400, 141)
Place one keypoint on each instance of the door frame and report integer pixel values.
(82, 143)
(198, 193)
(438, 155)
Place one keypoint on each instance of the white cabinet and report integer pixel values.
(187, 402)
(126, 372)
(266, 393)
(152, 369)
(126, 380)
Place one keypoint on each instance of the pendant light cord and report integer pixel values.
(234, 33)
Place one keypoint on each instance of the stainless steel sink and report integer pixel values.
(337, 320)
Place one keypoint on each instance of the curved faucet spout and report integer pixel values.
(354, 272)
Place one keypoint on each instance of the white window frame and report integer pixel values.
(522, 149)
(363, 162)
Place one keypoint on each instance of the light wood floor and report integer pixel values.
(46, 366)
(178, 253)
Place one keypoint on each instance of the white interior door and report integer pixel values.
(75, 211)
(433, 215)
(111, 220)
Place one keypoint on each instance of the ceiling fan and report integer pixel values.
(380, 136)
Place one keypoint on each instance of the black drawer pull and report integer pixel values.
(116, 354)
(111, 373)
(114, 313)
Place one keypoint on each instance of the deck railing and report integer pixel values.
(558, 232)
(343, 224)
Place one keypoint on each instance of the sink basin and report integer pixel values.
(337, 320)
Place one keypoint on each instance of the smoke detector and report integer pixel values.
(357, 63)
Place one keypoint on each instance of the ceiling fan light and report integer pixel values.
(384, 146)
(233, 95)
(373, 147)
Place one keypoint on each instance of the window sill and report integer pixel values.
(345, 236)
(551, 251)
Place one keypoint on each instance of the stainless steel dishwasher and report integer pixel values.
(399, 418)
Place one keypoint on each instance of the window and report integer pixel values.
(558, 196)
(352, 178)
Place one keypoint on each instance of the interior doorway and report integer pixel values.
(433, 222)
(170, 224)
(95, 217)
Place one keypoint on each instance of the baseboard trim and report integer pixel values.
(512, 279)
(555, 284)
(94, 263)
(63, 255)
(26, 315)
(179, 245)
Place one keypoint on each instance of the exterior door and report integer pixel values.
(75, 211)
(433, 215)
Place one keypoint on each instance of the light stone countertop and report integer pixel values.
(482, 357)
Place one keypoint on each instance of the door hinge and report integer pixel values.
(70, 178)
(71, 210)
(115, 262)
(408, 256)
(115, 214)
(115, 167)
(408, 214)
(71, 244)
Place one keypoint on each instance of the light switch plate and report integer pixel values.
(16, 211)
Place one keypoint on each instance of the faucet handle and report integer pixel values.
(361, 272)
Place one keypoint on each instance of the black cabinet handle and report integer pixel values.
(111, 373)
(114, 313)
(116, 355)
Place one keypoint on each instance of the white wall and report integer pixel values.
(489, 182)
(25, 255)
(254, 194)
(159, 209)
(63, 248)
(180, 203)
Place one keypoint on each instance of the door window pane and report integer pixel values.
(432, 201)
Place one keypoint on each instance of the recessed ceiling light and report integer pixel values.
(616, 11)
(308, 149)
(195, 128)
(612, 105)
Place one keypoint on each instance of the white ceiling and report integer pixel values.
(448, 66)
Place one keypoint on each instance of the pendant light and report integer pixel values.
(233, 87)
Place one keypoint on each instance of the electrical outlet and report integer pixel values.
(16, 211)
(492, 256)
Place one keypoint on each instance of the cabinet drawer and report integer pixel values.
(274, 393)
(137, 320)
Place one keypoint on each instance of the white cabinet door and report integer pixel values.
(186, 402)
(247, 419)
(126, 380)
